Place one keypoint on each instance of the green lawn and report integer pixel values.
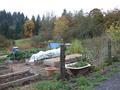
(23, 43)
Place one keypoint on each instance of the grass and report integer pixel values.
(23, 43)
(51, 85)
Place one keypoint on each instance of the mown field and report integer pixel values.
(23, 43)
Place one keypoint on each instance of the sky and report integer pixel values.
(35, 7)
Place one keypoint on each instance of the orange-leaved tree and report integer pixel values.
(29, 26)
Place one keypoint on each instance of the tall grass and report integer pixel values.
(76, 47)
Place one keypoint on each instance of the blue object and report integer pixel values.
(54, 45)
(15, 49)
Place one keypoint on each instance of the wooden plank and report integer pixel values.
(12, 74)
(55, 61)
(19, 81)
(5, 71)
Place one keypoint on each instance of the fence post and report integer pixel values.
(109, 50)
(62, 61)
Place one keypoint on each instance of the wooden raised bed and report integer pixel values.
(17, 78)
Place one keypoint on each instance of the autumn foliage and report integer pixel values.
(61, 27)
(28, 28)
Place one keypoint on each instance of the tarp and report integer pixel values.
(45, 55)
(54, 45)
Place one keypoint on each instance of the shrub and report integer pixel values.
(94, 68)
(116, 58)
(19, 55)
(76, 47)
(38, 41)
(4, 42)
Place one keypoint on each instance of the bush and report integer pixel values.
(115, 58)
(76, 47)
(37, 41)
(19, 55)
(4, 42)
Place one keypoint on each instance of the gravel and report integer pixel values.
(112, 83)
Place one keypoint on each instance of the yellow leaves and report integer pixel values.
(114, 31)
(61, 27)
(61, 21)
(28, 28)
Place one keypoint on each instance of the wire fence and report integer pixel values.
(99, 49)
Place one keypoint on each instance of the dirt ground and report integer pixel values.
(37, 69)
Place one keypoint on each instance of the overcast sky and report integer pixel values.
(34, 7)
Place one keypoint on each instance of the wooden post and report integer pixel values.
(109, 50)
(62, 61)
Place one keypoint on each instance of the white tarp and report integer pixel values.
(45, 54)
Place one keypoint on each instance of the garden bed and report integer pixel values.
(4, 69)
(16, 78)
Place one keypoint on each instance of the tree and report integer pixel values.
(64, 12)
(33, 19)
(29, 26)
(47, 25)
(112, 17)
(61, 28)
(80, 25)
(114, 31)
(96, 24)
(11, 24)
(37, 25)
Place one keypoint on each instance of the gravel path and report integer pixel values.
(112, 83)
